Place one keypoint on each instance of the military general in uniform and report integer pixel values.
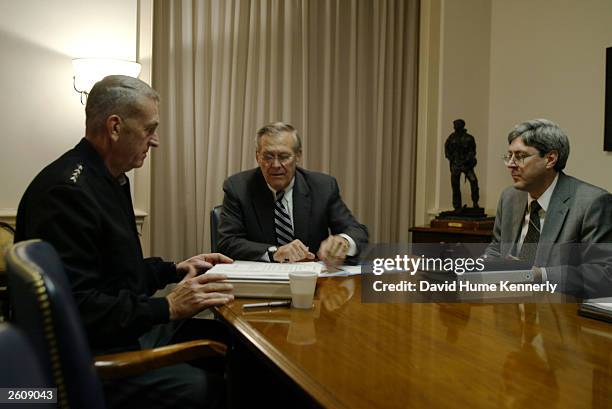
(81, 204)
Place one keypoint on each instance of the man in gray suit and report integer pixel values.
(559, 224)
(280, 212)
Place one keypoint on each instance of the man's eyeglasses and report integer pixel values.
(283, 158)
(517, 158)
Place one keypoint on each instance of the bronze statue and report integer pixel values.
(460, 150)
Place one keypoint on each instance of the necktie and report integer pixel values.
(282, 221)
(530, 244)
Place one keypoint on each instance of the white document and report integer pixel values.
(600, 303)
(257, 270)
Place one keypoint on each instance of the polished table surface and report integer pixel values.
(346, 354)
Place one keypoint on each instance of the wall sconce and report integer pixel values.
(88, 71)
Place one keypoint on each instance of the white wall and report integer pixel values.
(41, 114)
(465, 87)
(548, 61)
(453, 83)
(545, 59)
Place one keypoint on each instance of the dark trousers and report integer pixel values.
(186, 385)
(455, 184)
(254, 382)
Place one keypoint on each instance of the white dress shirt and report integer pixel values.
(287, 201)
(544, 201)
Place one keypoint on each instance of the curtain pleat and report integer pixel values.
(344, 72)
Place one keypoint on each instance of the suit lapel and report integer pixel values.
(301, 207)
(263, 202)
(557, 210)
(518, 206)
(554, 219)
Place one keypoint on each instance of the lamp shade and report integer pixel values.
(88, 71)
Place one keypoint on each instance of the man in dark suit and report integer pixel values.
(548, 216)
(280, 212)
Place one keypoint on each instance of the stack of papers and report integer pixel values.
(598, 308)
(271, 280)
(255, 279)
(255, 270)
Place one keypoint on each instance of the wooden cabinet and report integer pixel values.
(426, 234)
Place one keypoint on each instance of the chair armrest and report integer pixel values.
(120, 365)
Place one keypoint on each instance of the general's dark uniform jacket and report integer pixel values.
(87, 215)
(246, 226)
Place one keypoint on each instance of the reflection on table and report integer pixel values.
(346, 354)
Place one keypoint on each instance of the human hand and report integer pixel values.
(292, 252)
(335, 293)
(333, 250)
(196, 265)
(194, 294)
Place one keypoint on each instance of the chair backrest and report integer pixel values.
(7, 234)
(43, 308)
(20, 368)
(215, 215)
(6, 241)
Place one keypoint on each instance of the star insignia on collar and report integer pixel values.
(76, 173)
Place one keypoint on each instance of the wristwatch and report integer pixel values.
(271, 251)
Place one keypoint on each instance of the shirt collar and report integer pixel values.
(544, 200)
(288, 189)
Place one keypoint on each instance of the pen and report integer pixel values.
(268, 304)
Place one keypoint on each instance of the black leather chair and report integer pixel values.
(43, 307)
(215, 216)
(20, 368)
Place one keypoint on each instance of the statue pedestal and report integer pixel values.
(466, 218)
(463, 213)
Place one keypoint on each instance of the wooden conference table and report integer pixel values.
(345, 354)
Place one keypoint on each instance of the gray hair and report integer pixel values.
(545, 136)
(277, 129)
(115, 94)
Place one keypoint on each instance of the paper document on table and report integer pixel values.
(604, 304)
(257, 270)
(598, 308)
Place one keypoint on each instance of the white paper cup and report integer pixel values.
(302, 285)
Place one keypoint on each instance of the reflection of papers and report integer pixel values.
(596, 332)
(343, 271)
(256, 270)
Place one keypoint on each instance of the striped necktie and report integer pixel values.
(530, 244)
(282, 221)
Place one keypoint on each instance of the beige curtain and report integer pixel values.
(344, 72)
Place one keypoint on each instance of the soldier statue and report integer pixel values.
(460, 150)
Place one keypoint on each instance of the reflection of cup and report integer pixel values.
(302, 328)
(302, 285)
